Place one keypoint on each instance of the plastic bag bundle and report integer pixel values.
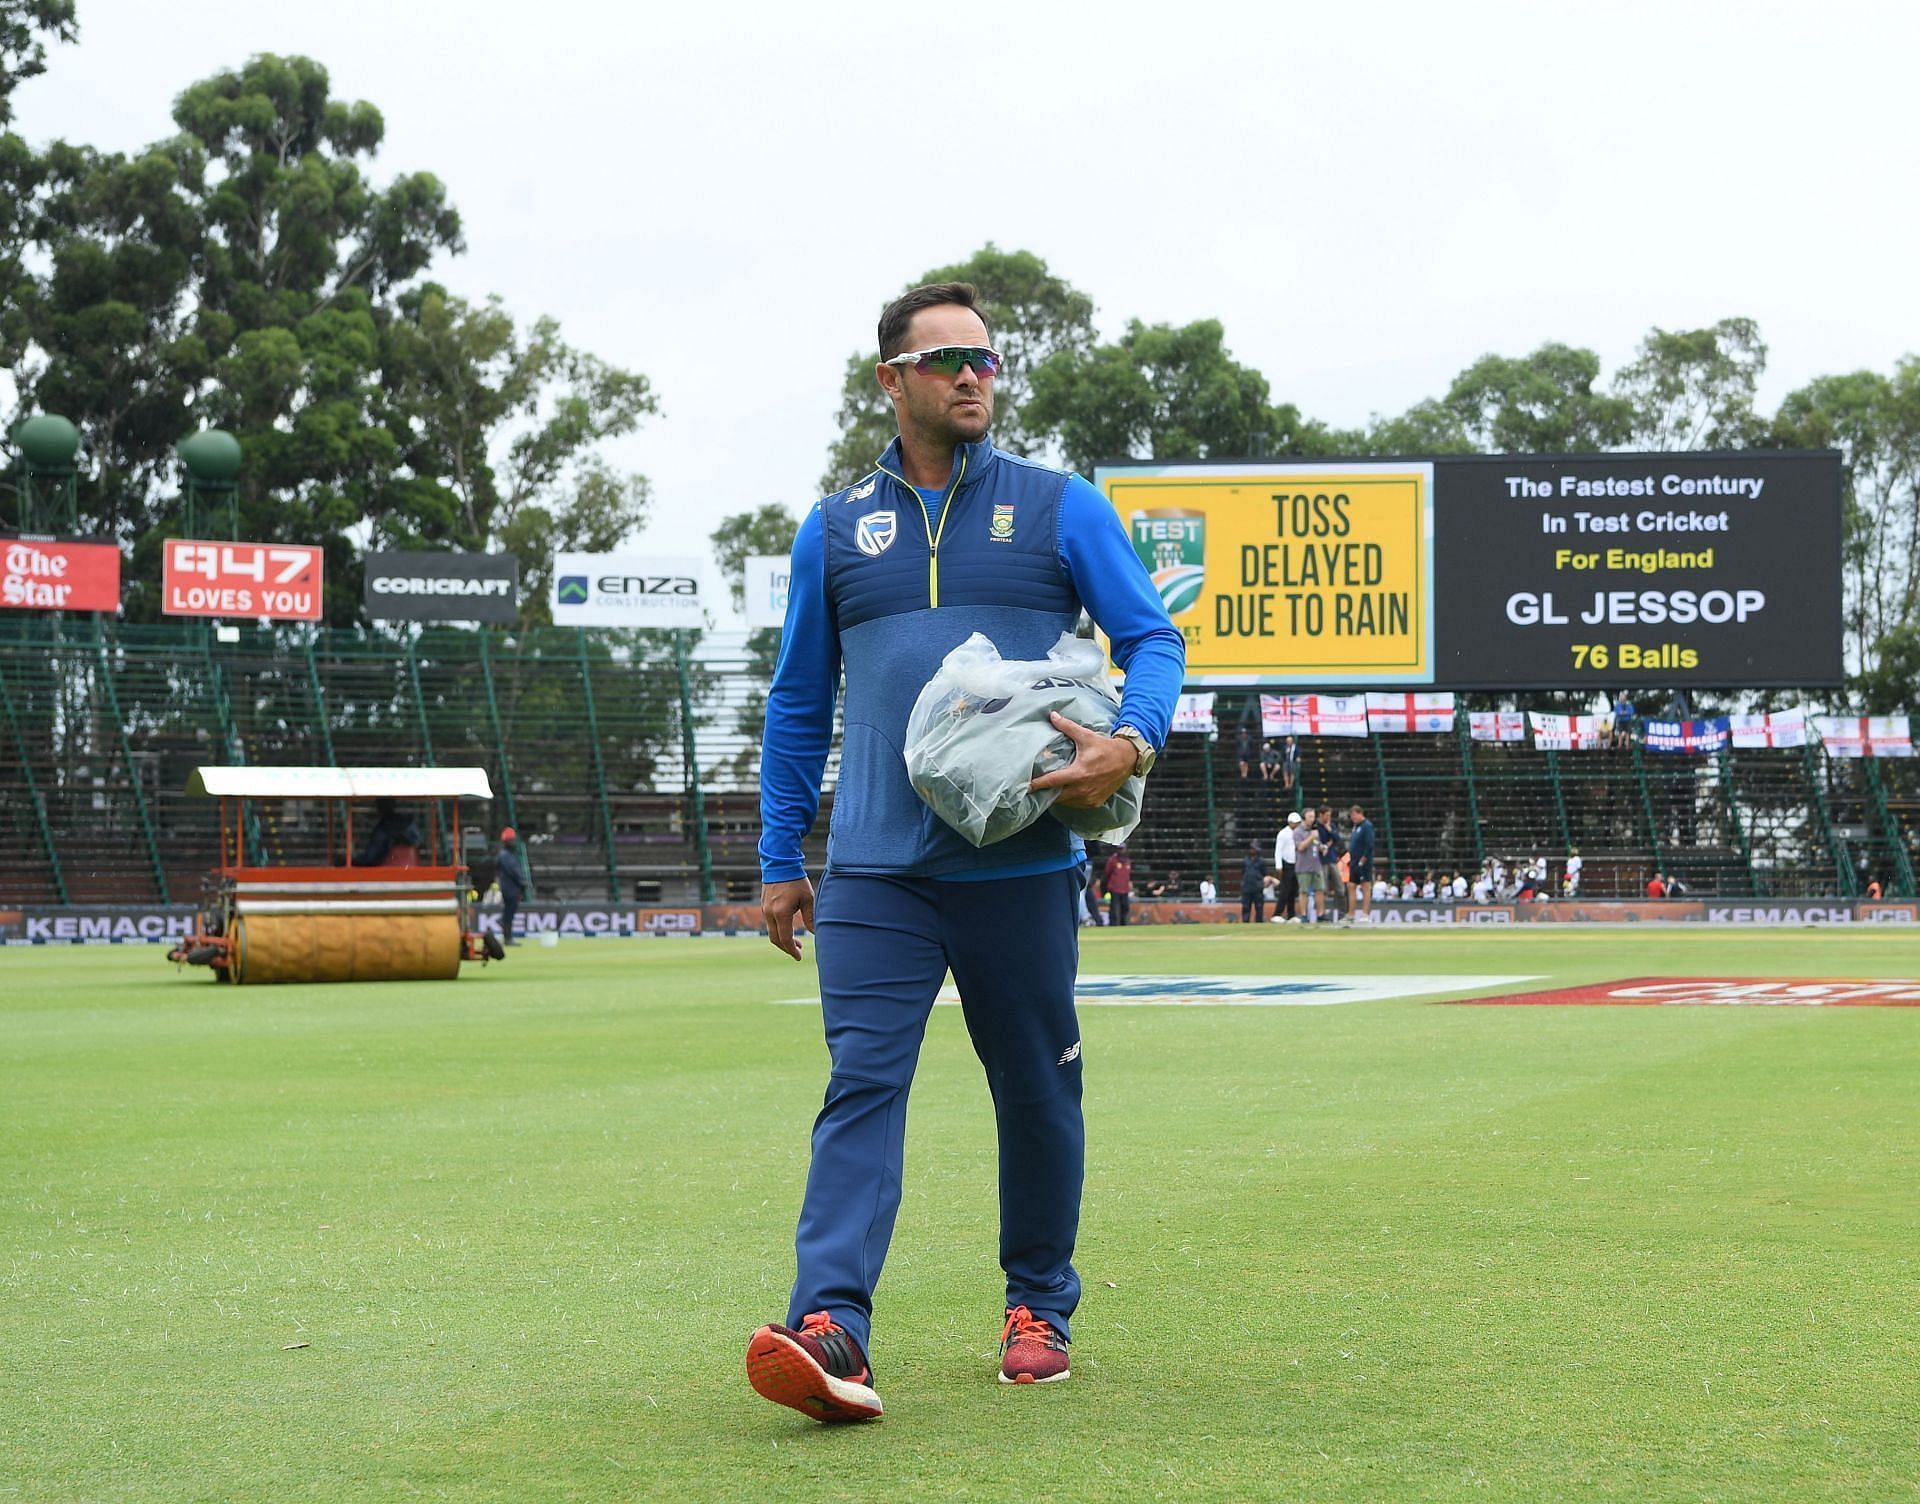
(979, 734)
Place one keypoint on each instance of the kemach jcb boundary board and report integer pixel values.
(1518, 572)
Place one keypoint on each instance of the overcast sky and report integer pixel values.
(1369, 197)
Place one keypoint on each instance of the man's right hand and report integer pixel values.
(779, 903)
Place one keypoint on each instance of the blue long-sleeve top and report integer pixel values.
(1104, 571)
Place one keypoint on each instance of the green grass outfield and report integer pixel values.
(520, 1226)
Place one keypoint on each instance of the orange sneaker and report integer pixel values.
(1031, 1351)
(818, 1370)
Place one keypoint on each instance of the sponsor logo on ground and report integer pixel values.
(1138, 991)
(1728, 992)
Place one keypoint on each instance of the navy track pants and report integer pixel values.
(885, 945)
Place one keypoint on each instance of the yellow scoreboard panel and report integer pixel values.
(1289, 573)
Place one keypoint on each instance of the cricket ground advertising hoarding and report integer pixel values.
(627, 590)
(266, 581)
(767, 580)
(59, 574)
(423, 586)
(1528, 572)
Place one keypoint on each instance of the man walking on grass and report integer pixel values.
(946, 537)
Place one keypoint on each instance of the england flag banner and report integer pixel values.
(1865, 735)
(1285, 715)
(1337, 715)
(1784, 728)
(1409, 712)
(1888, 736)
(1842, 735)
(1497, 726)
(1565, 733)
(1194, 713)
(1687, 736)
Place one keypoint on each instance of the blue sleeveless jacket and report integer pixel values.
(904, 592)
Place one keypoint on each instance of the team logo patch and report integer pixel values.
(1173, 545)
(875, 533)
(1001, 528)
(861, 493)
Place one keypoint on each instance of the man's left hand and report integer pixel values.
(1100, 765)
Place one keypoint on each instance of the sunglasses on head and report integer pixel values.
(948, 359)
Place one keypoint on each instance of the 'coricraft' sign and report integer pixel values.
(420, 586)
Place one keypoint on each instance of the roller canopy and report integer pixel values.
(341, 783)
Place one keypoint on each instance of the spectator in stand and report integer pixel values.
(1252, 888)
(1360, 873)
(1429, 889)
(1270, 890)
(1458, 887)
(1483, 884)
(1675, 888)
(1285, 862)
(1208, 893)
(1269, 762)
(1243, 751)
(1655, 887)
(1289, 763)
(1574, 863)
(1164, 887)
(1622, 720)
(1117, 879)
(1313, 878)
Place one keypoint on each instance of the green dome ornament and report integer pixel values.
(49, 443)
(211, 457)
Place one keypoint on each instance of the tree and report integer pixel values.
(247, 274)
(1543, 403)
(1163, 393)
(112, 335)
(1694, 388)
(25, 28)
(1032, 315)
(499, 437)
(767, 529)
(1428, 427)
(1874, 421)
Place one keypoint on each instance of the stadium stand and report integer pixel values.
(630, 770)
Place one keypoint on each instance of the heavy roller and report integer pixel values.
(388, 914)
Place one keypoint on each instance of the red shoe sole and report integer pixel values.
(781, 1370)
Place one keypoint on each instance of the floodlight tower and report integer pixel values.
(211, 459)
(48, 443)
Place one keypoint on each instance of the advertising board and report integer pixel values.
(1524, 572)
(444, 586)
(627, 590)
(264, 581)
(59, 574)
(767, 579)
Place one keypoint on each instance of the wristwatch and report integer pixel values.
(1144, 755)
